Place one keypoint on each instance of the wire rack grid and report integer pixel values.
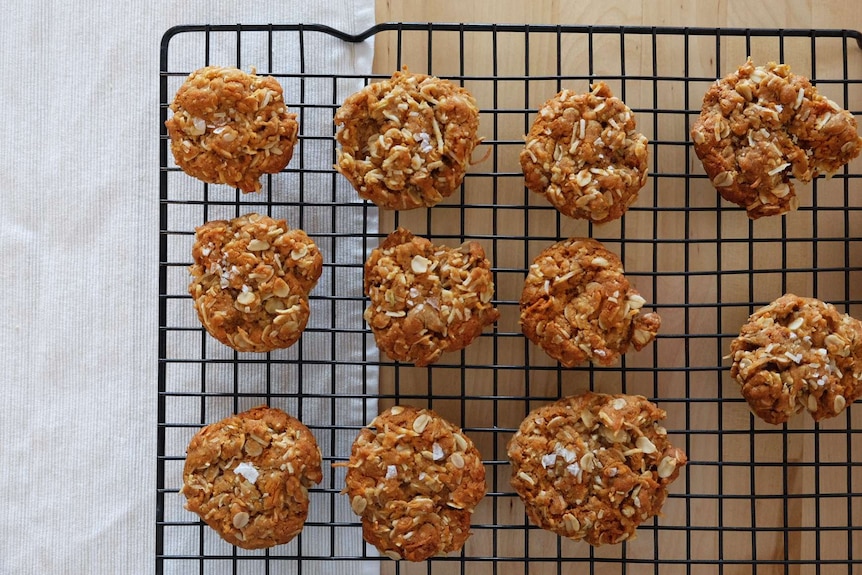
(754, 498)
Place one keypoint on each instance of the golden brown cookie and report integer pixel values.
(759, 126)
(406, 142)
(594, 466)
(414, 478)
(585, 155)
(230, 127)
(250, 281)
(425, 298)
(796, 354)
(248, 475)
(578, 305)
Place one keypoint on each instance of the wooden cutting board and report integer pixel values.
(750, 489)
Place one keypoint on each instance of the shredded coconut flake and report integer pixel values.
(391, 471)
(548, 460)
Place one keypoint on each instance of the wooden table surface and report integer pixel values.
(756, 484)
(725, 13)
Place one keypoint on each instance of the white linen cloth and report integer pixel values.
(79, 241)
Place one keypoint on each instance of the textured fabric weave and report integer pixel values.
(79, 238)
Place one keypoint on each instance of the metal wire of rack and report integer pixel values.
(754, 498)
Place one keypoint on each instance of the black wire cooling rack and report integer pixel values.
(754, 498)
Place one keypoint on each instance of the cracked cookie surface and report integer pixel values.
(427, 299)
(578, 305)
(594, 466)
(231, 127)
(759, 126)
(585, 155)
(406, 142)
(250, 281)
(798, 354)
(415, 479)
(247, 476)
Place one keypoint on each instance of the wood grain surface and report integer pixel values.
(767, 479)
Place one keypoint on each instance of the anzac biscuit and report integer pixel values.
(585, 155)
(594, 466)
(577, 305)
(761, 125)
(406, 142)
(427, 299)
(798, 354)
(250, 281)
(248, 476)
(414, 478)
(230, 127)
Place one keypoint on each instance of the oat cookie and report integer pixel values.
(230, 127)
(759, 126)
(798, 354)
(585, 155)
(250, 281)
(248, 475)
(406, 142)
(427, 299)
(578, 305)
(594, 466)
(414, 478)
